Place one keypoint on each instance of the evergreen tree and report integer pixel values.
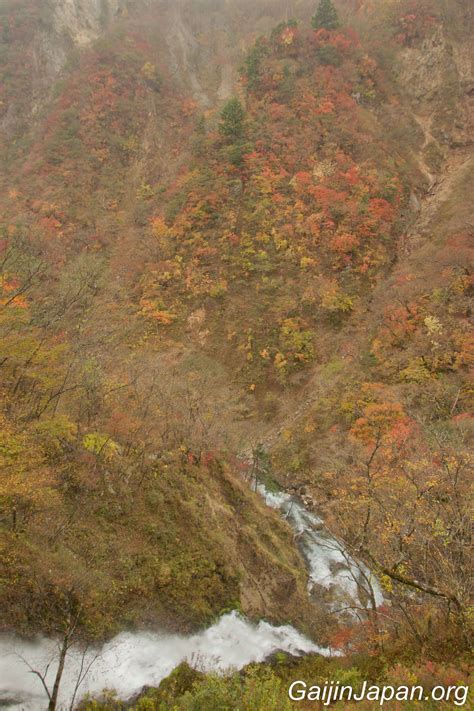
(232, 120)
(326, 16)
(253, 62)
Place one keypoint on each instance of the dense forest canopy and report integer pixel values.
(236, 242)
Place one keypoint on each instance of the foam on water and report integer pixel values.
(134, 660)
(329, 564)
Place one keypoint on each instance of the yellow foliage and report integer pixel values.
(152, 310)
(218, 290)
(149, 72)
(433, 325)
(416, 371)
(280, 360)
(334, 300)
(25, 480)
(100, 445)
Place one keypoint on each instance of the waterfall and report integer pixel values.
(329, 563)
(134, 660)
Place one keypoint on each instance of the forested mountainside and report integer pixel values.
(236, 246)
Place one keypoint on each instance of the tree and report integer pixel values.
(260, 465)
(27, 483)
(252, 67)
(402, 507)
(232, 120)
(326, 16)
(67, 639)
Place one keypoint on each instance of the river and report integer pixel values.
(134, 660)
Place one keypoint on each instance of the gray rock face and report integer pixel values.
(424, 70)
(82, 20)
(71, 23)
(66, 24)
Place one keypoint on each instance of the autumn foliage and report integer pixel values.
(178, 280)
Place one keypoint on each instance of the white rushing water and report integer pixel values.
(329, 564)
(134, 660)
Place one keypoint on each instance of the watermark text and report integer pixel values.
(332, 691)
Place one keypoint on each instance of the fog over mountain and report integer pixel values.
(235, 349)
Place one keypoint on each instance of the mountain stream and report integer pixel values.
(134, 660)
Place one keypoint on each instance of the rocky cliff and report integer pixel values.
(183, 284)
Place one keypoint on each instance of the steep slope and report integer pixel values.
(382, 443)
(109, 461)
(180, 284)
